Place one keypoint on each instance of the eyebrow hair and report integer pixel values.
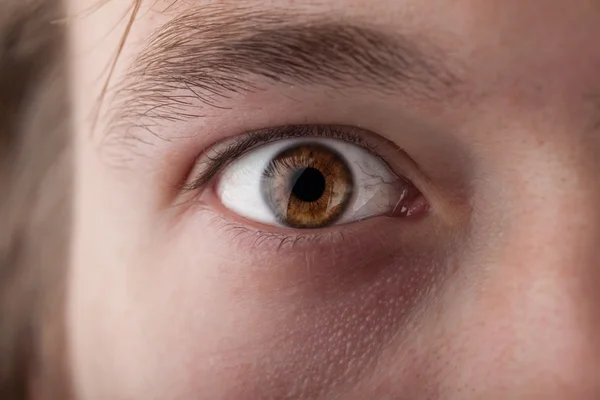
(211, 53)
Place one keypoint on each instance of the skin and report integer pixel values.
(490, 294)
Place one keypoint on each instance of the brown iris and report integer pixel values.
(307, 186)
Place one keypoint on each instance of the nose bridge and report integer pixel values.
(554, 224)
(547, 275)
(554, 228)
(551, 208)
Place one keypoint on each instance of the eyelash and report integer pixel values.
(217, 159)
(276, 240)
(220, 158)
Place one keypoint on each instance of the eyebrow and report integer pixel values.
(209, 54)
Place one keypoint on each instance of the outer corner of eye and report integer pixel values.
(310, 183)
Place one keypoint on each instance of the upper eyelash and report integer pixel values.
(221, 157)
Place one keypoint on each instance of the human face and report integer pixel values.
(455, 256)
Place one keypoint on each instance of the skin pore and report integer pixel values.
(489, 108)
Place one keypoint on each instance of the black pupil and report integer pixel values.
(309, 184)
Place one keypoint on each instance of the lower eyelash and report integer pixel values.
(263, 240)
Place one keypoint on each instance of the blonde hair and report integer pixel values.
(35, 188)
(34, 201)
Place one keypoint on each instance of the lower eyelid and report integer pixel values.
(251, 237)
(269, 241)
(248, 234)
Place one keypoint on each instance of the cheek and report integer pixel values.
(294, 325)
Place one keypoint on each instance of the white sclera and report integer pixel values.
(377, 190)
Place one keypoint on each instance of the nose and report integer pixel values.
(532, 329)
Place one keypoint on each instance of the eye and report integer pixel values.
(309, 183)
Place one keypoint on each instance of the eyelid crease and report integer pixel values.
(219, 158)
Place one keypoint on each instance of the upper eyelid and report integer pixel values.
(236, 147)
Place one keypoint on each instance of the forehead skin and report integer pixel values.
(159, 309)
